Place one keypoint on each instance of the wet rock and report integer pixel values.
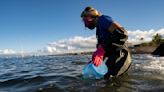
(160, 50)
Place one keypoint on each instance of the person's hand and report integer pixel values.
(98, 55)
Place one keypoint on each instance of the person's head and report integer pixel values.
(89, 16)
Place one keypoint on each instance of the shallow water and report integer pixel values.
(63, 74)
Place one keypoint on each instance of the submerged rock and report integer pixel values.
(160, 50)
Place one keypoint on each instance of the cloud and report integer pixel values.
(7, 51)
(79, 43)
(82, 44)
(136, 36)
(75, 44)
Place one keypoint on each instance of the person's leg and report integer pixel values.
(123, 64)
(110, 66)
(118, 63)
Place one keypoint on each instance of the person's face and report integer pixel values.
(89, 22)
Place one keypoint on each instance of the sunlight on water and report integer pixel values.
(150, 63)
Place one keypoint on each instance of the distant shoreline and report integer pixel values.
(133, 50)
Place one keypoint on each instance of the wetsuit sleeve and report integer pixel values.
(103, 24)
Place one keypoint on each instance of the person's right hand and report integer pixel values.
(98, 55)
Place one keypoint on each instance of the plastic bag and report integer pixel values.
(93, 72)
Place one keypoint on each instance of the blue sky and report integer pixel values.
(32, 24)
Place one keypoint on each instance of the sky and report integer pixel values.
(56, 26)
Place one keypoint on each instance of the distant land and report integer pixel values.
(133, 50)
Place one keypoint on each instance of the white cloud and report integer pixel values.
(7, 51)
(75, 44)
(79, 43)
(135, 36)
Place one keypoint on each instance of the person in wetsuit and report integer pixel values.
(111, 42)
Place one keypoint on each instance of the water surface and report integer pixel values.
(63, 74)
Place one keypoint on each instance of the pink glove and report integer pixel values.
(98, 55)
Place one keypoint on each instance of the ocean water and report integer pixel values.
(63, 74)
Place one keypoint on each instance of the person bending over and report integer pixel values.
(111, 42)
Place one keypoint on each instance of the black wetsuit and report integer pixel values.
(114, 43)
